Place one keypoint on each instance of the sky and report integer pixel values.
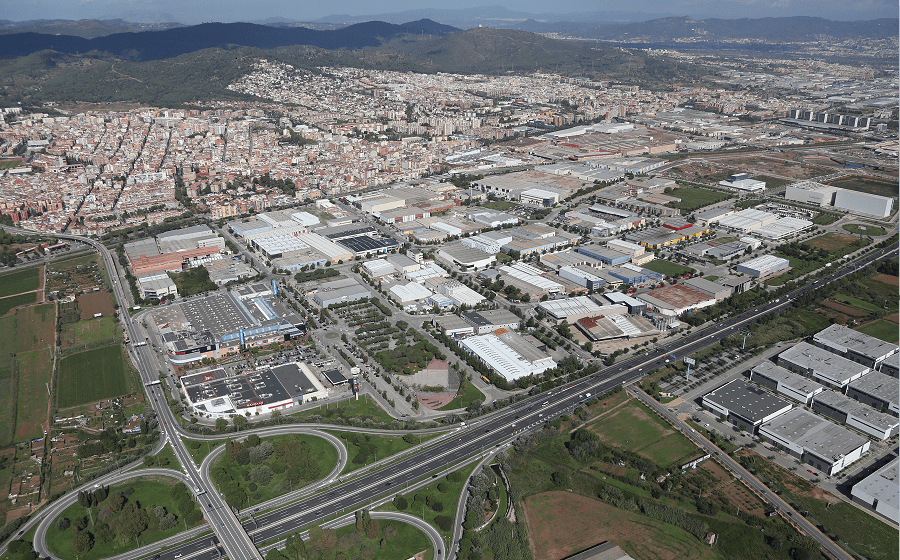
(197, 11)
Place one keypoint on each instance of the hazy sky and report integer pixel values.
(195, 11)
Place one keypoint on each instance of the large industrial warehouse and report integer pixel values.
(855, 414)
(878, 491)
(801, 389)
(509, 355)
(763, 266)
(745, 404)
(815, 441)
(822, 365)
(857, 346)
(217, 394)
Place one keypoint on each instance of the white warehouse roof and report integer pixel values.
(503, 359)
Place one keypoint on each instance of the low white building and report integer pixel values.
(505, 359)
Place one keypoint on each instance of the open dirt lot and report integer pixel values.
(887, 279)
(845, 309)
(562, 523)
(95, 302)
(831, 241)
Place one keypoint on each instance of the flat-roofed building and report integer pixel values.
(340, 291)
(747, 220)
(891, 365)
(876, 390)
(604, 255)
(539, 197)
(378, 268)
(157, 286)
(822, 365)
(465, 257)
(403, 264)
(713, 289)
(801, 389)
(763, 266)
(857, 346)
(453, 325)
(489, 321)
(674, 300)
(782, 228)
(532, 276)
(584, 276)
(615, 325)
(632, 249)
(567, 258)
(815, 441)
(570, 310)
(507, 358)
(878, 491)
(855, 414)
(745, 404)
(410, 293)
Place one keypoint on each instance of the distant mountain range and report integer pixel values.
(168, 43)
(778, 30)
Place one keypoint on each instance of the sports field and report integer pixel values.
(668, 268)
(8, 303)
(35, 327)
(635, 428)
(35, 370)
(91, 376)
(21, 281)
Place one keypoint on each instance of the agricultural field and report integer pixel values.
(635, 428)
(866, 184)
(91, 330)
(9, 303)
(561, 524)
(8, 381)
(670, 269)
(26, 280)
(860, 229)
(91, 376)
(35, 372)
(35, 327)
(881, 328)
(74, 276)
(95, 302)
(693, 198)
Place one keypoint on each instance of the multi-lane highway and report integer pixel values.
(486, 434)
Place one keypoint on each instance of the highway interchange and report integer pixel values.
(486, 434)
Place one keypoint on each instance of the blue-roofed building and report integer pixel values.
(604, 255)
(626, 275)
(244, 227)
